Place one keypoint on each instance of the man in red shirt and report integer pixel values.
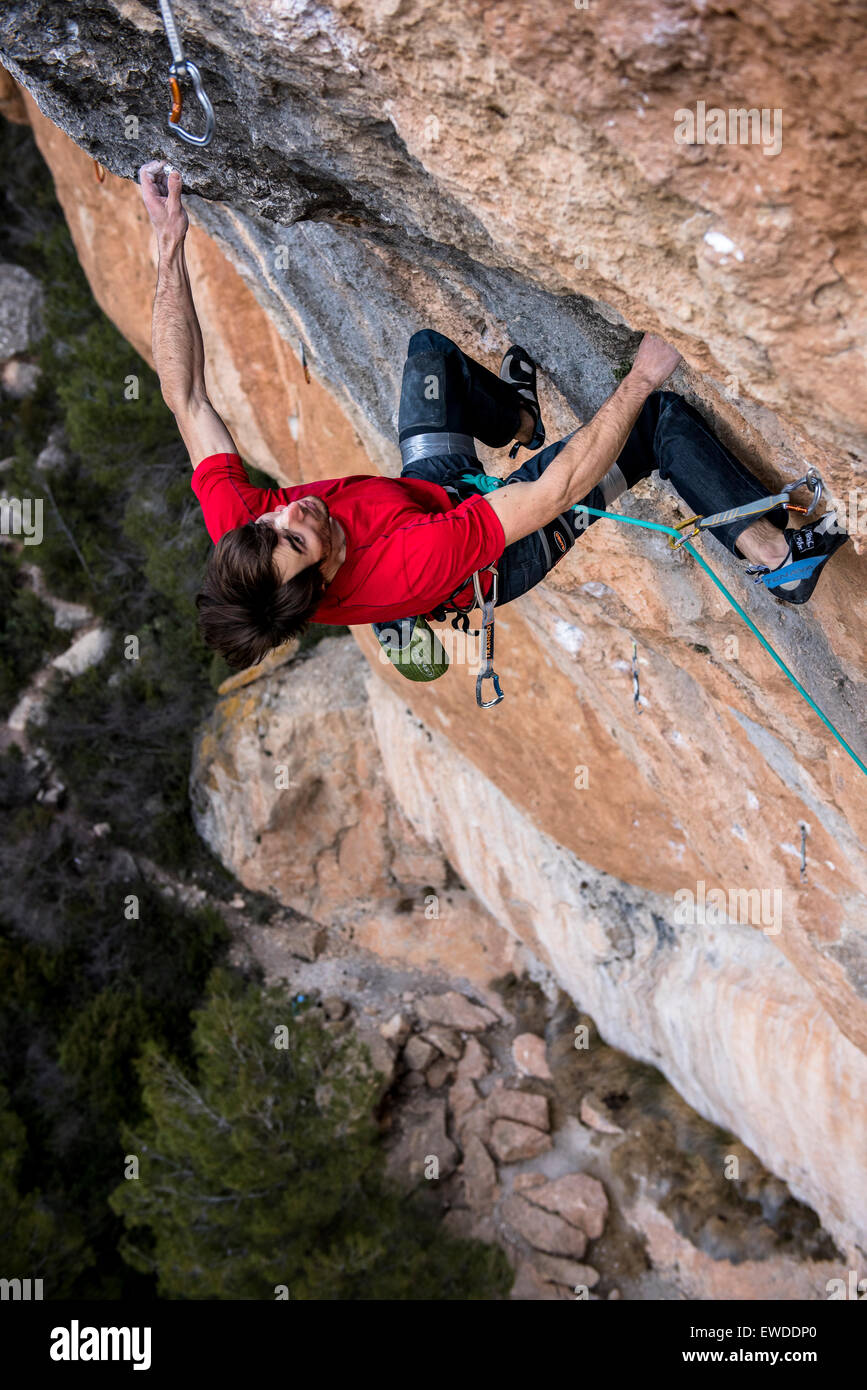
(370, 549)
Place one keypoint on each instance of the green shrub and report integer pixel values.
(264, 1169)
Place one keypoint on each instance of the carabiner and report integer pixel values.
(189, 69)
(681, 525)
(488, 676)
(811, 479)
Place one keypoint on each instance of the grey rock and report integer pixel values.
(422, 1136)
(445, 1040)
(418, 1053)
(21, 300)
(20, 379)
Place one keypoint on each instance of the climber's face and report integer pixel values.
(304, 535)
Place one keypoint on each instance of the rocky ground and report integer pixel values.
(587, 1167)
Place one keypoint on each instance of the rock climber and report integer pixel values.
(371, 549)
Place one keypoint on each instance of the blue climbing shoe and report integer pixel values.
(810, 548)
(519, 370)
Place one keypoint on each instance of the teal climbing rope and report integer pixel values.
(670, 531)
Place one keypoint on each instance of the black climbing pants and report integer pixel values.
(448, 401)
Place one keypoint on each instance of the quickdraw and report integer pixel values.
(811, 479)
(487, 672)
(691, 550)
(461, 623)
(184, 67)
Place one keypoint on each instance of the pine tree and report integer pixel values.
(266, 1170)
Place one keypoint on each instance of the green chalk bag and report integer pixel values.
(413, 648)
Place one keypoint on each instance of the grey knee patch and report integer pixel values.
(423, 393)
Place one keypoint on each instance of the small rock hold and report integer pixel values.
(439, 1072)
(524, 1106)
(529, 1286)
(544, 1230)
(476, 1061)
(594, 1114)
(523, 1181)
(453, 1010)
(567, 1272)
(576, 1197)
(418, 1054)
(422, 1136)
(306, 940)
(511, 1141)
(528, 1052)
(444, 1040)
(396, 1029)
(381, 1055)
(463, 1096)
(335, 1007)
(479, 1174)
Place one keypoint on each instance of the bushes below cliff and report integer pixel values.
(261, 1175)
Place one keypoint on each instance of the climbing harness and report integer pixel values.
(673, 531)
(811, 479)
(184, 67)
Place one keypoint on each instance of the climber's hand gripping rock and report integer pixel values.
(655, 361)
(161, 192)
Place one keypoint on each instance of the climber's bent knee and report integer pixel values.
(433, 418)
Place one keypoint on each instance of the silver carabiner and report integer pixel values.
(188, 69)
(814, 480)
(811, 479)
(480, 679)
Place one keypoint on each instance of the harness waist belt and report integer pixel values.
(422, 446)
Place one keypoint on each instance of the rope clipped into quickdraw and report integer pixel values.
(673, 531)
(811, 479)
(184, 67)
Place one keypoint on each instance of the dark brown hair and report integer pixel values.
(244, 608)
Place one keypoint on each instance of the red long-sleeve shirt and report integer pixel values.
(408, 547)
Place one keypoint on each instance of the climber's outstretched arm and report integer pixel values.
(178, 349)
(526, 506)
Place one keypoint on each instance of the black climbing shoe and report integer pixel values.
(795, 578)
(519, 370)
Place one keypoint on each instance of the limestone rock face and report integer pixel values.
(510, 172)
(288, 787)
(505, 161)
